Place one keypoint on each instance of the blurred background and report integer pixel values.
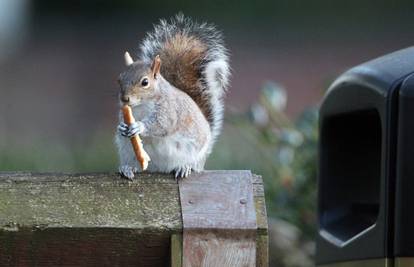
(59, 61)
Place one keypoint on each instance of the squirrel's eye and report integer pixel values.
(144, 82)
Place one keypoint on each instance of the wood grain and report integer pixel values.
(87, 220)
(83, 247)
(211, 203)
(262, 255)
(89, 200)
(219, 220)
(219, 248)
(99, 219)
(176, 250)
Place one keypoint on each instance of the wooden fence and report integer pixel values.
(216, 218)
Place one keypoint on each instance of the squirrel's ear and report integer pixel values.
(128, 59)
(156, 65)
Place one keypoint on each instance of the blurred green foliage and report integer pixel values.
(95, 153)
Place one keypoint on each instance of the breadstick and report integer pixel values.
(136, 141)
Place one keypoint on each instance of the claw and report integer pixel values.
(182, 172)
(177, 172)
(134, 129)
(131, 130)
(188, 172)
(127, 171)
(123, 129)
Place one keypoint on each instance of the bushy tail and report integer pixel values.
(194, 60)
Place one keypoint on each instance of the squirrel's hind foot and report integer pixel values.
(182, 172)
(127, 171)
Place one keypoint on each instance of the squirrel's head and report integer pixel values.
(138, 82)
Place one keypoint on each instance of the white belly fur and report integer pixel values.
(171, 152)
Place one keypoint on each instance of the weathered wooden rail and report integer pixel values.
(217, 218)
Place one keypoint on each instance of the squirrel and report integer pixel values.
(175, 89)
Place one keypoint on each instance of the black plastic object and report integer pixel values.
(366, 141)
(404, 215)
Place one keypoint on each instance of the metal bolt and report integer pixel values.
(243, 201)
(191, 201)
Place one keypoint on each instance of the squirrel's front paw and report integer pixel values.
(127, 171)
(130, 130)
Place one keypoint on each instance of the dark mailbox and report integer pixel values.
(366, 165)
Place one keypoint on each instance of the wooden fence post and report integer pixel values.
(219, 220)
(102, 220)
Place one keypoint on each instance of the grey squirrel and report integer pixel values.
(176, 89)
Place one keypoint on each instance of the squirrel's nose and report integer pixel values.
(124, 99)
